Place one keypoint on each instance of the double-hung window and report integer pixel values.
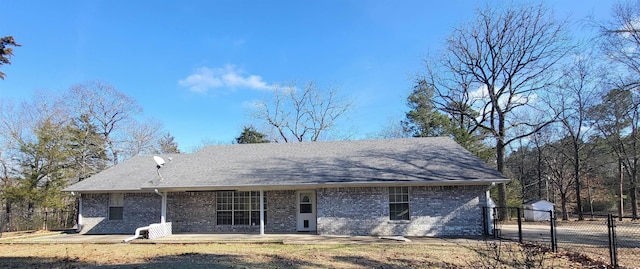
(116, 205)
(239, 208)
(399, 203)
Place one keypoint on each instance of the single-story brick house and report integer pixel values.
(414, 187)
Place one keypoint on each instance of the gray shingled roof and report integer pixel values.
(414, 161)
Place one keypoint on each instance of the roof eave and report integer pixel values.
(482, 182)
(108, 191)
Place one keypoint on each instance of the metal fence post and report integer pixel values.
(496, 230)
(613, 252)
(519, 226)
(554, 240)
(485, 220)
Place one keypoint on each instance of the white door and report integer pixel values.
(306, 211)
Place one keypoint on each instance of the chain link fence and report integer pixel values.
(627, 241)
(605, 238)
(513, 226)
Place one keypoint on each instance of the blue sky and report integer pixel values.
(197, 65)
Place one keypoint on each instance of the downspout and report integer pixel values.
(137, 234)
(261, 212)
(489, 220)
(163, 217)
(163, 208)
(79, 195)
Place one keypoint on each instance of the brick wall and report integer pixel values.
(195, 212)
(282, 211)
(434, 211)
(192, 212)
(140, 209)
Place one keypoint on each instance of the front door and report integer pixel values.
(306, 211)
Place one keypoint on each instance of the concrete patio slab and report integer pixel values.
(302, 238)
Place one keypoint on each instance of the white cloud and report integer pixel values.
(481, 95)
(252, 104)
(204, 79)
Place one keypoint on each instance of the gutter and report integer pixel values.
(488, 182)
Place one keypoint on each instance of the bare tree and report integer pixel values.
(620, 40)
(141, 138)
(167, 144)
(393, 128)
(576, 94)
(302, 114)
(561, 172)
(497, 66)
(114, 114)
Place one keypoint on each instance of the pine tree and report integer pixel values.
(249, 136)
(87, 148)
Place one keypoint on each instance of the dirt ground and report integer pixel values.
(270, 255)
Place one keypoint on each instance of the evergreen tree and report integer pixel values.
(5, 52)
(424, 119)
(249, 136)
(43, 164)
(87, 148)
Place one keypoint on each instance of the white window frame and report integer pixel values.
(242, 203)
(399, 196)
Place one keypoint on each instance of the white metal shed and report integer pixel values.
(537, 210)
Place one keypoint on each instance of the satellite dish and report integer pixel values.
(159, 161)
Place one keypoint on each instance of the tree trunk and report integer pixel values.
(633, 191)
(7, 218)
(576, 167)
(502, 187)
(590, 197)
(633, 198)
(539, 166)
(565, 214)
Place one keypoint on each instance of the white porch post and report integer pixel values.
(489, 219)
(163, 212)
(261, 212)
(79, 211)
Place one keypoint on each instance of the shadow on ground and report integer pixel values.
(198, 260)
(184, 260)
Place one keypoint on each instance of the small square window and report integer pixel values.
(115, 213)
(116, 206)
(306, 208)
